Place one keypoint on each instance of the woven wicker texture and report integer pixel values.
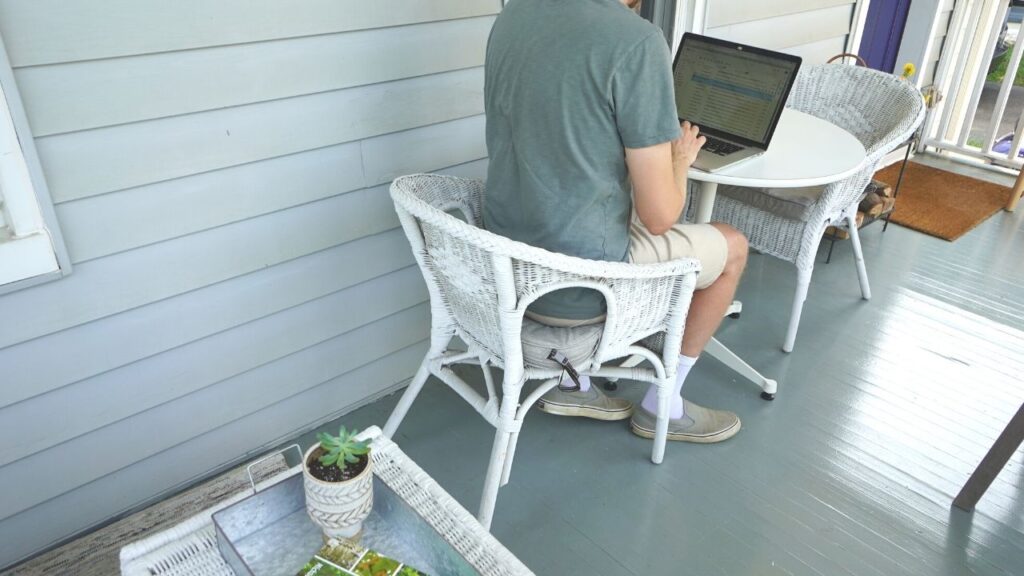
(442, 512)
(459, 256)
(480, 285)
(881, 111)
(191, 547)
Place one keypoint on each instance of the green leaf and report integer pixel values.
(342, 449)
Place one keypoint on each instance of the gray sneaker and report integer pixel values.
(698, 424)
(590, 404)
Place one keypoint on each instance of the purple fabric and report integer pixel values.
(1002, 146)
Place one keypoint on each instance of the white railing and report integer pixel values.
(974, 29)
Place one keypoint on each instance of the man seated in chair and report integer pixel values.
(587, 158)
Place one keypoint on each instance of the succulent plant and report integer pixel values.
(343, 449)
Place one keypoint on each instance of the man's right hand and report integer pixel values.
(686, 147)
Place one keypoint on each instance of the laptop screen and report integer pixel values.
(732, 89)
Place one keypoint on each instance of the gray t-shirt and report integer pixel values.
(570, 84)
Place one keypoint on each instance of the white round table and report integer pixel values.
(805, 151)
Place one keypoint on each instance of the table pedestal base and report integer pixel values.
(705, 206)
(717, 350)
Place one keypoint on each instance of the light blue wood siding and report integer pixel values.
(815, 30)
(220, 174)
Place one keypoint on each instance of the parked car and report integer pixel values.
(1014, 15)
(1016, 12)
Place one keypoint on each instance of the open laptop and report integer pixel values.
(734, 93)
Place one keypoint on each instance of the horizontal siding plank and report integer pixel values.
(388, 157)
(174, 208)
(93, 162)
(91, 348)
(97, 93)
(138, 277)
(819, 52)
(801, 28)
(51, 362)
(192, 367)
(476, 169)
(111, 223)
(93, 503)
(31, 480)
(51, 31)
(735, 12)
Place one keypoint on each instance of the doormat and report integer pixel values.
(941, 203)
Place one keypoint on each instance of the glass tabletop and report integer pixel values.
(271, 534)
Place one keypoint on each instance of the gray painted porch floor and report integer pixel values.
(884, 409)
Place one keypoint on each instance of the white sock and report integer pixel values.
(650, 402)
(568, 383)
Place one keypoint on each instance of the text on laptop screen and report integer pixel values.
(730, 90)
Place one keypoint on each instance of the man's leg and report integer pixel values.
(709, 305)
(691, 422)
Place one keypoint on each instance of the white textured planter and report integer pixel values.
(339, 508)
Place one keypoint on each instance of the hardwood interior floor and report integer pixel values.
(884, 409)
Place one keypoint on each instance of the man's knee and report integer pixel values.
(737, 247)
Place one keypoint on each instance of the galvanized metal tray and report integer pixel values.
(270, 534)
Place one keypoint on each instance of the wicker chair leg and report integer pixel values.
(506, 471)
(408, 397)
(803, 282)
(506, 426)
(858, 253)
(492, 481)
(661, 424)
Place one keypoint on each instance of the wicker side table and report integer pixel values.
(190, 548)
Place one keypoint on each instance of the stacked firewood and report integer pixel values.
(876, 202)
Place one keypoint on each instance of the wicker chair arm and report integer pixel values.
(518, 250)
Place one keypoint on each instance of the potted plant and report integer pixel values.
(338, 479)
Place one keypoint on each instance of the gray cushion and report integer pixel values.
(791, 203)
(578, 344)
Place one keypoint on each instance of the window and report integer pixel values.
(675, 17)
(662, 13)
(31, 249)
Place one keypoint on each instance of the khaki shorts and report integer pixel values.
(701, 241)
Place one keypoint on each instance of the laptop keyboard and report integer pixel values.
(720, 147)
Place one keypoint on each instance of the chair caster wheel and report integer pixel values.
(767, 396)
(734, 315)
(611, 386)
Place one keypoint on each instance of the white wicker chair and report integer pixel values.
(480, 285)
(882, 111)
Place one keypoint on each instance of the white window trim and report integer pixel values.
(860, 18)
(31, 247)
(691, 16)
